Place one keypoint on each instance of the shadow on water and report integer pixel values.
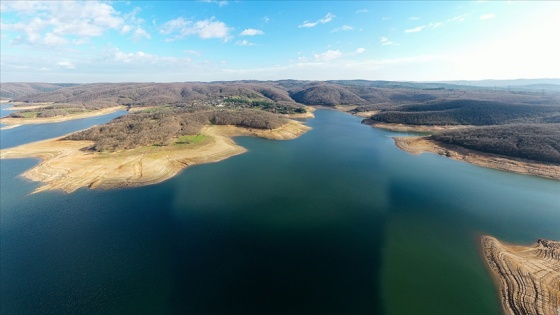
(286, 243)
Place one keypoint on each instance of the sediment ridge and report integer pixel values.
(528, 277)
(417, 145)
(69, 165)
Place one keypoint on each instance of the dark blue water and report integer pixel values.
(338, 221)
(36, 132)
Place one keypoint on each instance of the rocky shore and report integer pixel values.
(528, 277)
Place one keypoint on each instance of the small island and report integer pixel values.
(528, 277)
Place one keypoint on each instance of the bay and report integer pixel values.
(35, 132)
(338, 221)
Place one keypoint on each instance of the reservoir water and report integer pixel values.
(31, 133)
(338, 221)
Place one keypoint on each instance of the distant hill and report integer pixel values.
(470, 112)
(152, 94)
(13, 90)
(507, 110)
(541, 85)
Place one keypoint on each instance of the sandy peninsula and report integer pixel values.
(528, 277)
(56, 119)
(418, 145)
(69, 165)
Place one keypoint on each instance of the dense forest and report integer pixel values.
(162, 126)
(537, 142)
(470, 112)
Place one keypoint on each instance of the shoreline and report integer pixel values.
(527, 277)
(410, 128)
(418, 145)
(57, 119)
(68, 165)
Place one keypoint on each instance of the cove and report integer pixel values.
(338, 221)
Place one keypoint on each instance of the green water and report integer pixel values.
(338, 221)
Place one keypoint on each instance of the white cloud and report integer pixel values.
(125, 29)
(329, 17)
(251, 32)
(414, 18)
(385, 41)
(209, 28)
(362, 11)
(459, 18)
(343, 28)
(416, 29)
(386, 18)
(220, 3)
(54, 40)
(140, 33)
(487, 16)
(244, 43)
(328, 55)
(193, 52)
(59, 22)
(116, 55)
(66, 64)
(435, 25)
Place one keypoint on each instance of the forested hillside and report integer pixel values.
(162, 126)
(470, 112)
(528, 141)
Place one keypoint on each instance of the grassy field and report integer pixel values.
(190, 139)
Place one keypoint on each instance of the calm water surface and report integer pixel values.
(36, 132)
(338, 221)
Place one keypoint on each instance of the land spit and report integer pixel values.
(56, 119)
(418, 145)
(528, 277)
(69, 165)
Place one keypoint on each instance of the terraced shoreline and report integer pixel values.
(528, 277)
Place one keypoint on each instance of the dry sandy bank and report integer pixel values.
(56, 119)
(528, 277)
(68, 165)
(410, 128)
(417, 145)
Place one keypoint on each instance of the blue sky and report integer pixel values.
(174, 41)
